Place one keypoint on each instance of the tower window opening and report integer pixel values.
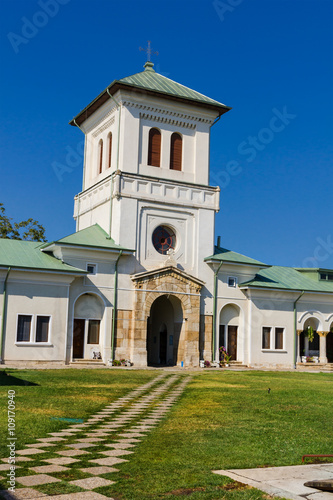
(154, 147)
(176, 152)
(100, 156)
(110, 149)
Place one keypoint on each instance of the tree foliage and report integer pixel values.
(29, 229)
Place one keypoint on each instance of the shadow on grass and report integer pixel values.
(7, 379)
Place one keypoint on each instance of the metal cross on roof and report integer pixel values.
(149, 51)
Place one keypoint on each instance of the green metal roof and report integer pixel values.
(92, 237)
(286, 278)
(150, 80)
(153, 83)
(222, 254)
(28, 255)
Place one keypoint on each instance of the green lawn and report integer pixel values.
(223, 420)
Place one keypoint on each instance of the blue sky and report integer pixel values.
(264, 58)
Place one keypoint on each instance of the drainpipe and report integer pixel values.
(83, 177)
(117, 162)
(214, 309)
(4, 312)
(295, 330)
(114, 304)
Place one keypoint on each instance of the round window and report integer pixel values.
(164, 239)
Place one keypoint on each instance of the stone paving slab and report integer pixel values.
(45, 469)
(99, 470)
(116, 453)
(23, 494)
(80, 445)
(128, 440)
(131, 435)
(119, 446)
(82, 495)
(108, 461)
(90, 440)
(60, 461)
(6, 466)
(44, 445)
(37, 479)
(51, 439)
(72, 453)
(90, 483)
(30, 451)
(97, 434)
(18, 459)
(286, 481)
(59, 434)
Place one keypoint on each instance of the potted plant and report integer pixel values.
(224, 357)
(310, 333)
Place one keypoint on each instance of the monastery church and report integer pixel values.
(141, 278)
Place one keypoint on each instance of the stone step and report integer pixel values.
(87, 362)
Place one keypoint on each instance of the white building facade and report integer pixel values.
(141, 279)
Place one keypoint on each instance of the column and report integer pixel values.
(322, 347)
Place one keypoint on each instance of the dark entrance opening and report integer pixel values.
(164, 326)
(78, 338)
(232, 341)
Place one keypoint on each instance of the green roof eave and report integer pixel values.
(27, 255)
(65, 270)
(91, 237)
(195, 98)
(224, 255)
(288, 279)
(116, 248)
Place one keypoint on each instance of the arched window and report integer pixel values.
(154, 147)
(100, 156)
(176, 152)
(109, 149)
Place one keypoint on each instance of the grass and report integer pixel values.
(223, 420)
(42, 395)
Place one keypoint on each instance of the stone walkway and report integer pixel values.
(287, 482)
(116, 430)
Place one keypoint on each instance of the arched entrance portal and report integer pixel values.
(308, 348)
(88, 314)
(164, 327)
(229, 326)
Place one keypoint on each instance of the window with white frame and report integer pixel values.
(272, 338)
(33, 329)
(92, 268)
(24, 322)
(42, 328)
(279, 338)
(232, 281)
(93, 331)
(266, 337)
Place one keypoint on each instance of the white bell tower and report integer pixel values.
(146, 169)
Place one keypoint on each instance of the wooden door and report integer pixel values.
(232, 342)
(163, 347)
(78, 338)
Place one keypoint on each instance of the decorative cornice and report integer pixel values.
(103, 127)
(169, 271)
(151, 112)
(170, 121)
(98, 121)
